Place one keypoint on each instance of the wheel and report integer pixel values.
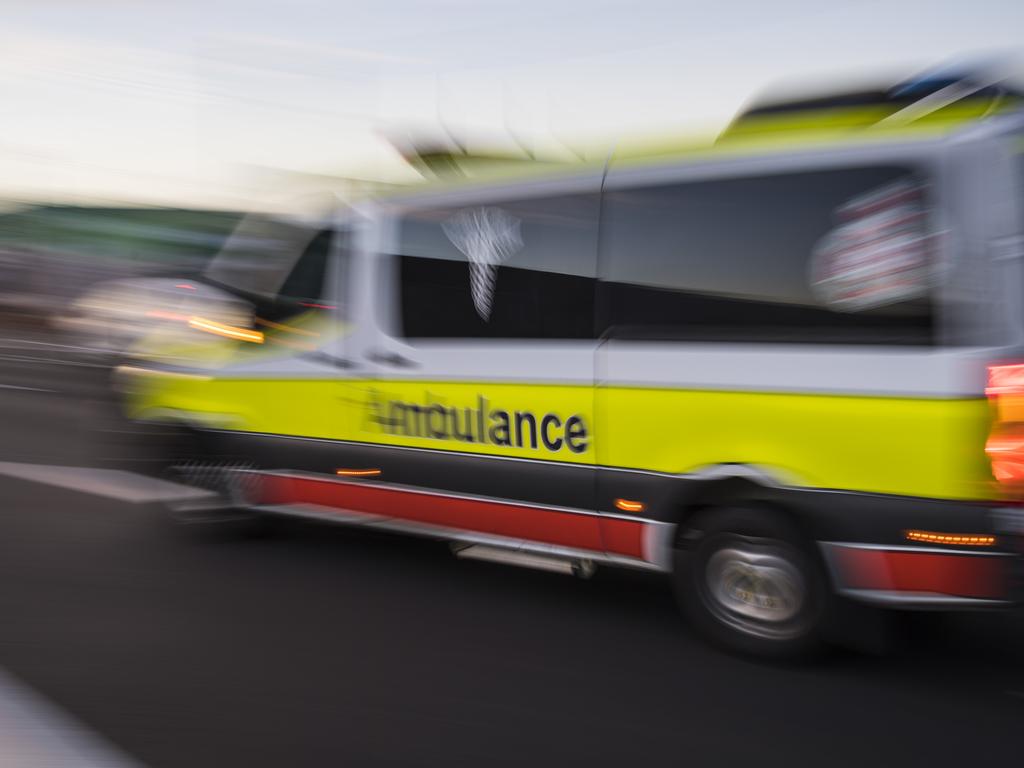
(748, 583)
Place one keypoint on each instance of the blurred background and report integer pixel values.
(135, 135)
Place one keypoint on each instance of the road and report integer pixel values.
(323, 646)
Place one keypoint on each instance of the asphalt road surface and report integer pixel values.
(324, 646)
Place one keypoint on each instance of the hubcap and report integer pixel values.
(757, 589)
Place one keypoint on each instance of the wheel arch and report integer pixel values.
(725, 485)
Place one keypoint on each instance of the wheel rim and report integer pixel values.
(756, 588)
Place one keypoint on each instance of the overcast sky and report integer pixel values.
(198, 101)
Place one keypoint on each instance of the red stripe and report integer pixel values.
(623, 537)
(519, 521)
(900, 571)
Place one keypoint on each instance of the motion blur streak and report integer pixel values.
(212, 326)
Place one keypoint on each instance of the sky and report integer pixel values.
(233, 103)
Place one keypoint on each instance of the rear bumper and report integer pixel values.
(935, 577)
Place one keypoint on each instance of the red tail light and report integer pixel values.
(1005, 445)
(1005, 380)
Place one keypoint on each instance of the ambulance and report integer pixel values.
(785, 369)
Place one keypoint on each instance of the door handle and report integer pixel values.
(323, 357)
(389, 358)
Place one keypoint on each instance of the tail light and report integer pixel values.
(1005, 445)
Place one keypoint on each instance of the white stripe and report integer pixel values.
(108, 483)
(934, 373)
(512, 361)
(35, 734)
(26, 389)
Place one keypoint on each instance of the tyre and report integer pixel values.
(749, 583)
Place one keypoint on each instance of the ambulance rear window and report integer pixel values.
(838, 256)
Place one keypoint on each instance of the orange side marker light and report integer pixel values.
(358, 472)
(629, 506)
(957, 539)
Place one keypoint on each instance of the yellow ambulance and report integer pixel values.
(786, 369)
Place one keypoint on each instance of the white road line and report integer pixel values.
(34, 733)
(17, 344)
(26, 389)
(50, 361)
(116, 484)
(33, 346)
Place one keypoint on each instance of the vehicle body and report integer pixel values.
(664, 362)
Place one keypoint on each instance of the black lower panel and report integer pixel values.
(535, 482)
(825, 515)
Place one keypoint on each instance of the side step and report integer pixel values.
(584, 569)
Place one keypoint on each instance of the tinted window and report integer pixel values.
(259, 255)
(304, 287)
(306, 280)
(839, 256)
(515, 269)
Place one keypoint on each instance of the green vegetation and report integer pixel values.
(143, 235)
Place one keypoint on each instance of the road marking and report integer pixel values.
(50, 361)
(34, 733)
(19, 342)
(26, 389)
(109, 483)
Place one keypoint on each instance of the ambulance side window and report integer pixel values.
(516, 269)
(306, 280)
(305, 286)
(836, 256)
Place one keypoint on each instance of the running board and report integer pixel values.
(569, 566)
